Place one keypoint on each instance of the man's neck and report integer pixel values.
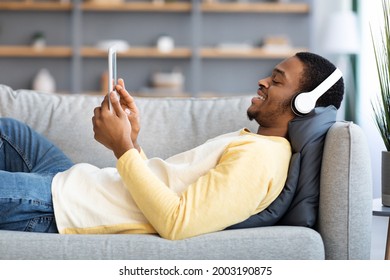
(274, 131)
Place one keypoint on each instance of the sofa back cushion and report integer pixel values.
(66, 120)
(307, 135)
(168, 125)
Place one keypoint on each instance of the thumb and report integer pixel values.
(115, 104)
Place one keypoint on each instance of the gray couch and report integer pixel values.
(172, 125)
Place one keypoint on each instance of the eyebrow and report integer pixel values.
(278, 71)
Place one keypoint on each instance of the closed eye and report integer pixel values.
(277, 76)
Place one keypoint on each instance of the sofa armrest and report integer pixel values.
(346, 193)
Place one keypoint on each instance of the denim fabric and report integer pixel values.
(28, 163)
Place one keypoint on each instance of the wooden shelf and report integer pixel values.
(27, 51)
(144, 52)
(256, 53)
(138, 52)
(35, 6)
(138, 7)
(163, 7)
(255, 7)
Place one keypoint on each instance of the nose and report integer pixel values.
(264, 83)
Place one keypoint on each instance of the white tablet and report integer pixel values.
(112, 72)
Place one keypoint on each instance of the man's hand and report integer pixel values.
(112, 128)
(128, 105)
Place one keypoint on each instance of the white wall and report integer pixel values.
(370, 12)
(320, 11)
(367, 81)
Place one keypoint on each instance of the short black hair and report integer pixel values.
(315, 70)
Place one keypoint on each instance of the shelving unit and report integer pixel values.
(26, 51)
(178, 7)
(256, 53)
(138, 52)
(197, 27)
(238, 7)
(29, 5)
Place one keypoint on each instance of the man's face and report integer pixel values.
(273, 103)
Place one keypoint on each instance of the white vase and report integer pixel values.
(386, 178)
(165, 44)
(44, 81)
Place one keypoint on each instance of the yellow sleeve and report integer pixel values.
(247, 178)
(143, 155)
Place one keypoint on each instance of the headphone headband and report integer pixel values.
(304, 102)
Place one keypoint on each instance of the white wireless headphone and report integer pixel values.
(304, 102)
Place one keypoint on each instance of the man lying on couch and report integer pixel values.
(206, 189)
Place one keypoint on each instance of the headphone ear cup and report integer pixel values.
(293, 107)
(303, 103)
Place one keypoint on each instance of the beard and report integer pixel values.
(251, 115)
(261, 118)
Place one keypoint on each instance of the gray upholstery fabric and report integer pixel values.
(346, 193)
(65, 119)
(271, 243)
(54, 114)
(171, 125)
(307, 136)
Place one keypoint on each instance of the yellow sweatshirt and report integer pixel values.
(206, 189)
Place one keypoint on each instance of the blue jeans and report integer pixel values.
(28, 163)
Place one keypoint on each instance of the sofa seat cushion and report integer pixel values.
(266, 243)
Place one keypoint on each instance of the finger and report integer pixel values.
(127, 98)
(119, 88)
(127, 111)
(96, 112)
(104, 101)
(121, 82)
(115, 104)
(122, 92)
(95, 118)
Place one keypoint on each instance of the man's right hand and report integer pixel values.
(128, 104)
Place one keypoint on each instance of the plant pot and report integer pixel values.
(386, 178)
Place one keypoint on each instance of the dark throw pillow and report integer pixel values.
(297, 204)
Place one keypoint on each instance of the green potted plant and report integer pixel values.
(381, 106)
